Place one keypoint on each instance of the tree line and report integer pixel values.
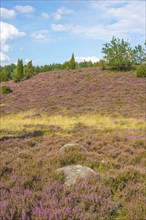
(118, 55)
(20, 71)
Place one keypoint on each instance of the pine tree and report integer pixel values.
(28, 70)
(18, 74)
(72, 63)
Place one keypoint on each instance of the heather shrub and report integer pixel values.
(94, 165)
(5, 170)
(58, 76)
(58, 176)
(138, 158)
(84, 200)
(119, 182)
(71, 158)
(136, 208)
(5, 89)
(141, 70)
(88, 74)
(32, 183)
(134, 196)
(139, 144)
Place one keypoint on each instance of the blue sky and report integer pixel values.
(49, 31)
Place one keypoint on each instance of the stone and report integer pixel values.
(72, 148)
(75, 172)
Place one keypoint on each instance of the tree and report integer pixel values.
(118, 54)
(72, 63)
(4, 75)
(28, 70)
(139, 54)
(18, 74)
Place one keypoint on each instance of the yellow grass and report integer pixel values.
(2, 105)
(26, 121)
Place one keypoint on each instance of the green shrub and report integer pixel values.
(141, 70)
(119, 182)
(71, 158)
(103, 64)
(4, 76)
(5, 89)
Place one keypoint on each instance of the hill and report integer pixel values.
(78, 91)
(98, 112)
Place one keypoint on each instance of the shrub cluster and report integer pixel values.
(141, 70)
(5, 89)
(56, 202)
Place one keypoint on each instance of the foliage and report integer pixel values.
(118, 54)
(102, 64)
(28, 70)
(72, 64)
(141, 70)
(18, 74)
(71, 158)
(3, 76)
(55, 202)
(120, 181)
(89, 112)
(6, 72)
(139, 54)
(5, 89)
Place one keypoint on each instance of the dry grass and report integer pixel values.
(30, 120)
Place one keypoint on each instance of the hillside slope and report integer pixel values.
(78, 91)
(73, 107)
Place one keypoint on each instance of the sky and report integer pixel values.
(50, 31)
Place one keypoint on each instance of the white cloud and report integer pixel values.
(63, 11)
(27, 9)
(7, 14)
(60, 12)
(126, 16)
(82, 59)
(104, 4)
(4, 58)
(45, 15)
(96, 32)
(57, 16)
(5, 47)
(124, 20)
(41, 35)
(60, 27)
(8, 32)
(27, 60)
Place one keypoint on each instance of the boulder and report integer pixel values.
(75, 172)
(72, 148)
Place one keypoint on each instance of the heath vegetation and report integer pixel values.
(101, 110)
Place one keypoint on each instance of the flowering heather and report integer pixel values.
(114, 136)
(74, 92)
(82, 201)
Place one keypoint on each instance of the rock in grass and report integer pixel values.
(72, 148)
(75, 172)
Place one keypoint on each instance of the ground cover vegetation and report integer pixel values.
(103, 111)
(118, 55)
